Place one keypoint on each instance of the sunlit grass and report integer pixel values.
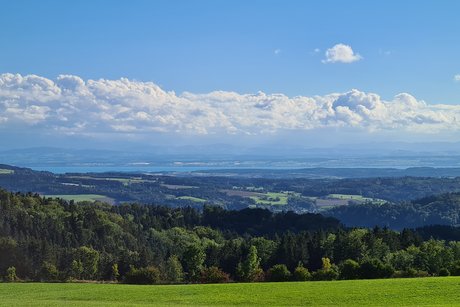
(385, 292)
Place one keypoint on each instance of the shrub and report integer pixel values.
(444, 272)
(455, 268)
(278, 272)
(349, 269)
(49, 272)
(327, 272)
(214, 275)
(301, 273)
(321, 274)
(114, 272)
(373, 268)
(11, 274)
(144, 276)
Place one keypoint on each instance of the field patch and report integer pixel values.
(4, 171)
(83, 197)
(178, 187)
(191, 198)
(432, 291)
(357, 198)
(124, 181)
(260, 198)
(272, 199)
(241, 193)
(335, 200)
(325, 203)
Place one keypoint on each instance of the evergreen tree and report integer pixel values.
(173, 271)
(250, 270)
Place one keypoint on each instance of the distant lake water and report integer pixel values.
(143, 169)
(184, 167)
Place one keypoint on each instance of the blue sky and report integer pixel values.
(200, 46)
(239, 46)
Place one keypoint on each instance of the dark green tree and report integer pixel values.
(301, 273)
(250, 270)
(173, 270)
(278, 272)
(349, 269)
(193, 258)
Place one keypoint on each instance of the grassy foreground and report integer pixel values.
(385, 292)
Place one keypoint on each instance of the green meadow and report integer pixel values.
(82, 197)
(358, 198)
(271, 198)
(191, 198)
(434, 291)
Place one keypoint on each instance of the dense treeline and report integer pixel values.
(52, 240)
(433, 210)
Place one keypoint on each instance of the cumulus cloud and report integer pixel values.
(71, 105)
(341, 53)
(457, 78)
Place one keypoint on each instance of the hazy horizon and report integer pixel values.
(168, 74)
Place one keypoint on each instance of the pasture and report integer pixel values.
(439, 291)
(191, 198)
(271, 199)
(83, 197)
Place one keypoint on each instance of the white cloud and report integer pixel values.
(341, 53)
(277, 51)
(457, 78)
(70, 105)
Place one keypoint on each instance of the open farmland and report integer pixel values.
(355, 198)
(178, 187)
(272, 199)
(83, 197)
(442, 291)
(191, 198)
(260, 198)
(125, 181)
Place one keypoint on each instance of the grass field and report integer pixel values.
(124, 181)
(385, 292)
(178, 187)
(271, 199)
(357, 198)
(82, 197)
(335, 200)
(194, 199)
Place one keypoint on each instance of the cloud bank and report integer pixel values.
(341, 53)
(71, 105)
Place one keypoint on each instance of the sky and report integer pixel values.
(108, 73)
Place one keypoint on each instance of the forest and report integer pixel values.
(441, 209)
(393, 202)
(49, 239)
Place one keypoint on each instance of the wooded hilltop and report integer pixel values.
(47, 239)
